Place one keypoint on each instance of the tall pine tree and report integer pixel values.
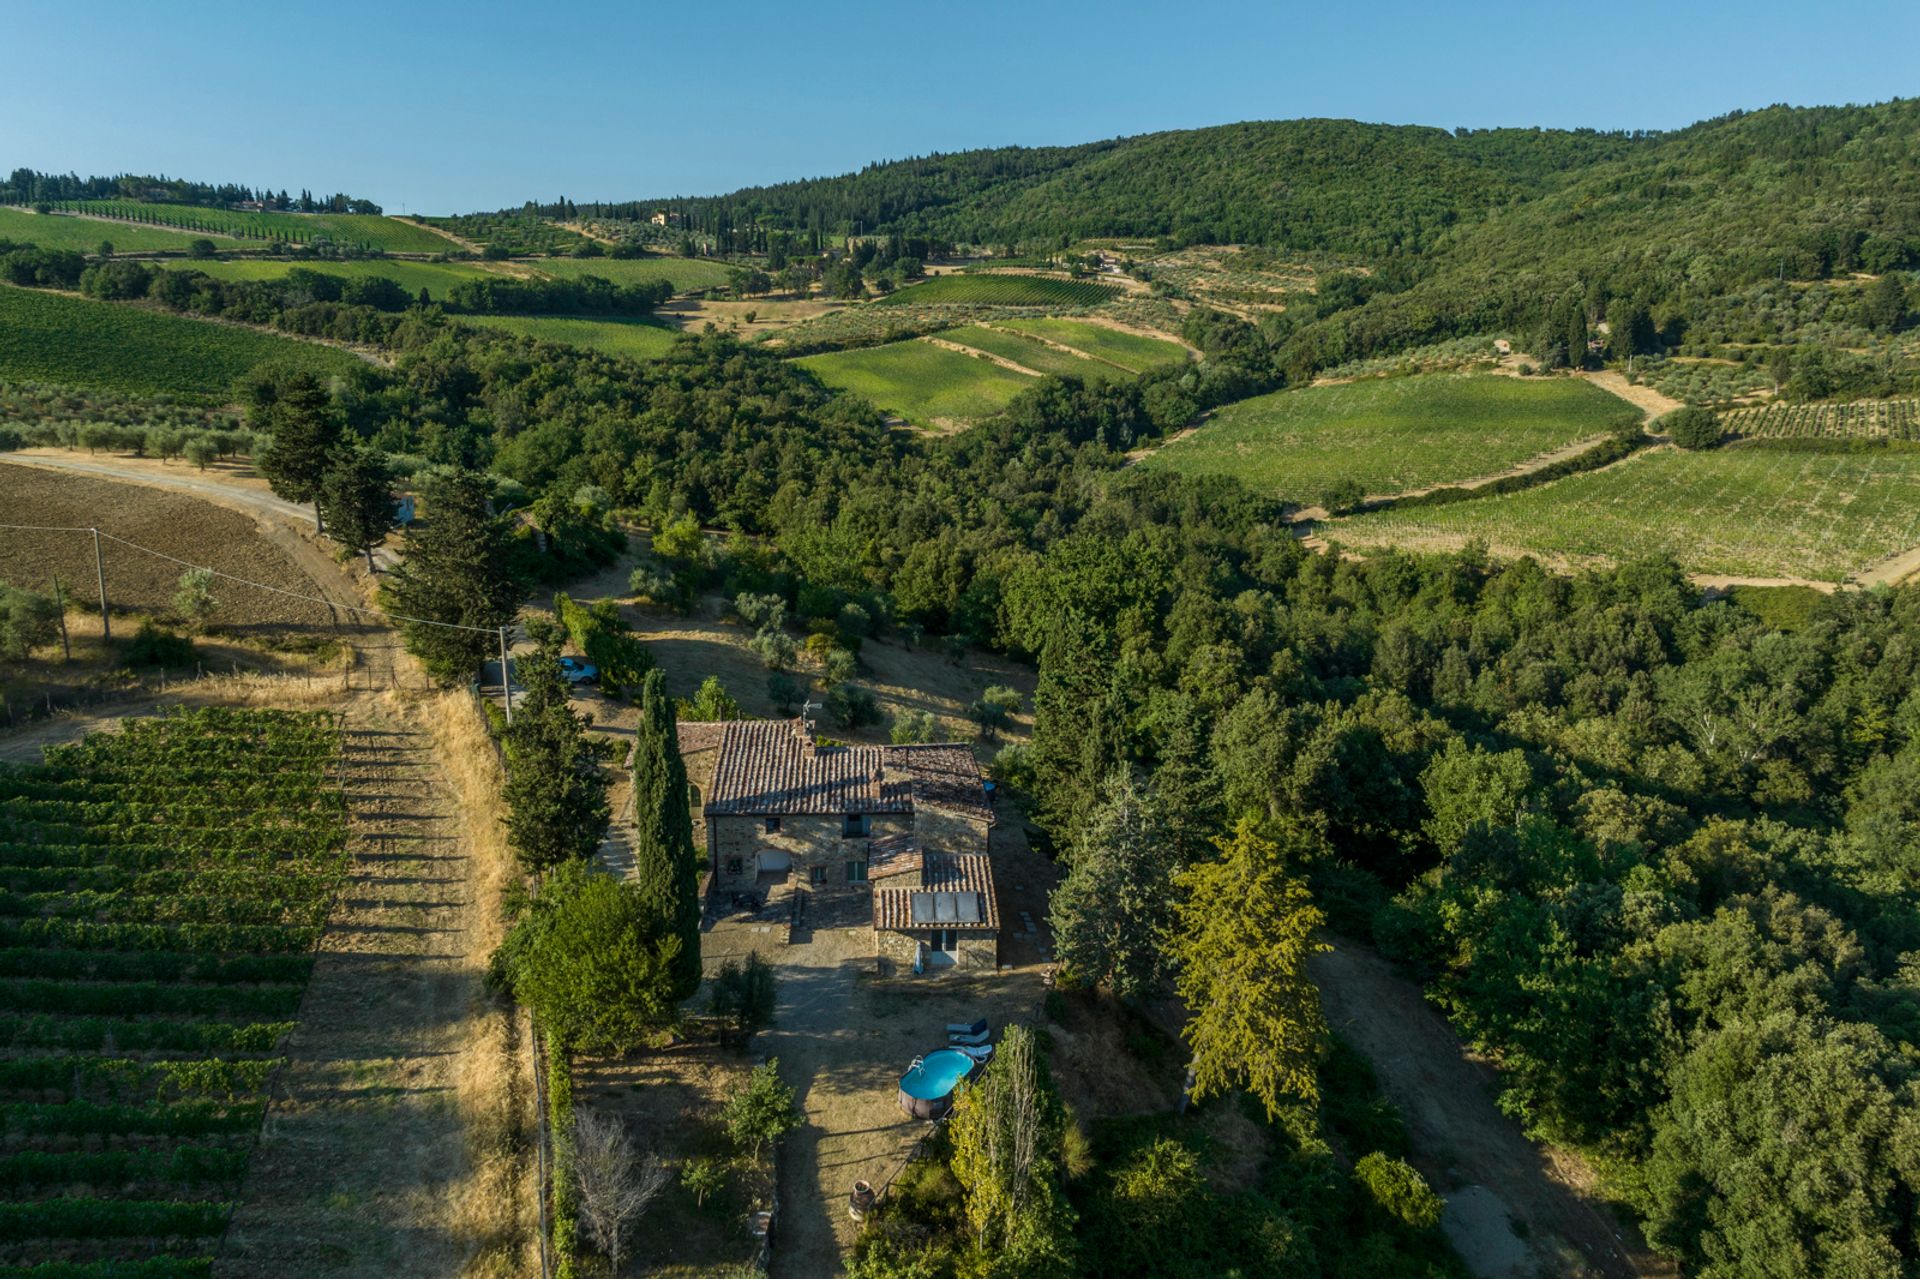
(299, 413)
(1245, 929)
(665, 865)
(455, 568)
(356, 497)
(556, 793)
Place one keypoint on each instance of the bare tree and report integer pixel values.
(616, 1183)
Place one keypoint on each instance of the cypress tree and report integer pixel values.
(556, 794)
(666, 867)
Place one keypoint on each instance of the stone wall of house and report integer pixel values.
(976, 949)
(941, 831)
(809, 840)
(699, 777)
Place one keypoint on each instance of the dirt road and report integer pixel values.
(1514, 1208)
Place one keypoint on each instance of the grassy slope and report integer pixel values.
(1033, 355)
(437, 277)
(637, 339)
(380, 232)
(1733, 511)
(49, 337)
(684, 274)
(923, 383)
(1000, 290)
(1393, 434)
(61, 231)
(1129, 350)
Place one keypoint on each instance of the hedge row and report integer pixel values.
(97, 1034)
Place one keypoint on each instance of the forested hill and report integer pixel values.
(1375, 191)
(1334, 185)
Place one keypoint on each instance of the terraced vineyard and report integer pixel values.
(1000, 290)
(360, 230)
(517, 233)
(927, 385)
(164, 890)
(684, 274)
(1393, 435)
(1134, 351)
(636, 338)
(1029, 354)
(1731, 511)
(48, 337)
(1866, 419)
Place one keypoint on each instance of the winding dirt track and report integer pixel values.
(1494, 1179)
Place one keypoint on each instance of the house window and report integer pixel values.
(693, 795)
(735, 866)
(856, 872)
(854, 826)
(773, 825)
(816, 874)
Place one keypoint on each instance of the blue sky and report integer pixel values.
(436, 107)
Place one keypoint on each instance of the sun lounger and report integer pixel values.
(982, 1054)
(973, 1028)
(959, 1040)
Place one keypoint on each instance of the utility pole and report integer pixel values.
(506, 678)
(60, 602)
(100, 571)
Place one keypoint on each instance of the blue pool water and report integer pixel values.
(936, 1074)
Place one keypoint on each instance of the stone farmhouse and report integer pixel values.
(888, 837)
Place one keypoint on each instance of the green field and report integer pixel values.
(927, 385)
(1033, 355)
(685, 274)
(55, 231)
(1733, 511)
(635, 338)
(365, 229)
(1394, 434)
(49, 337)
(165, 889)
(1000, 290)
(1128, 350)
(436, 277)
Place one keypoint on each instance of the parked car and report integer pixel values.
(578, 671)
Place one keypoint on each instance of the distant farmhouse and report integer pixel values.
(892, 836)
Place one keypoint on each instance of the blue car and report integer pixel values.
(576, 671)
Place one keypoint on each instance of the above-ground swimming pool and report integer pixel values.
(926, 1090)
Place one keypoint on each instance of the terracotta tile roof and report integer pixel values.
(698, 737)
(772, 767)
(961, 873)
(944, 776)
(891, 855)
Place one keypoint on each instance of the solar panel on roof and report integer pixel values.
(946, 908)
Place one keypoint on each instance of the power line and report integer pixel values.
(259, 586)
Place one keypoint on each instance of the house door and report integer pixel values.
(941, 946)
